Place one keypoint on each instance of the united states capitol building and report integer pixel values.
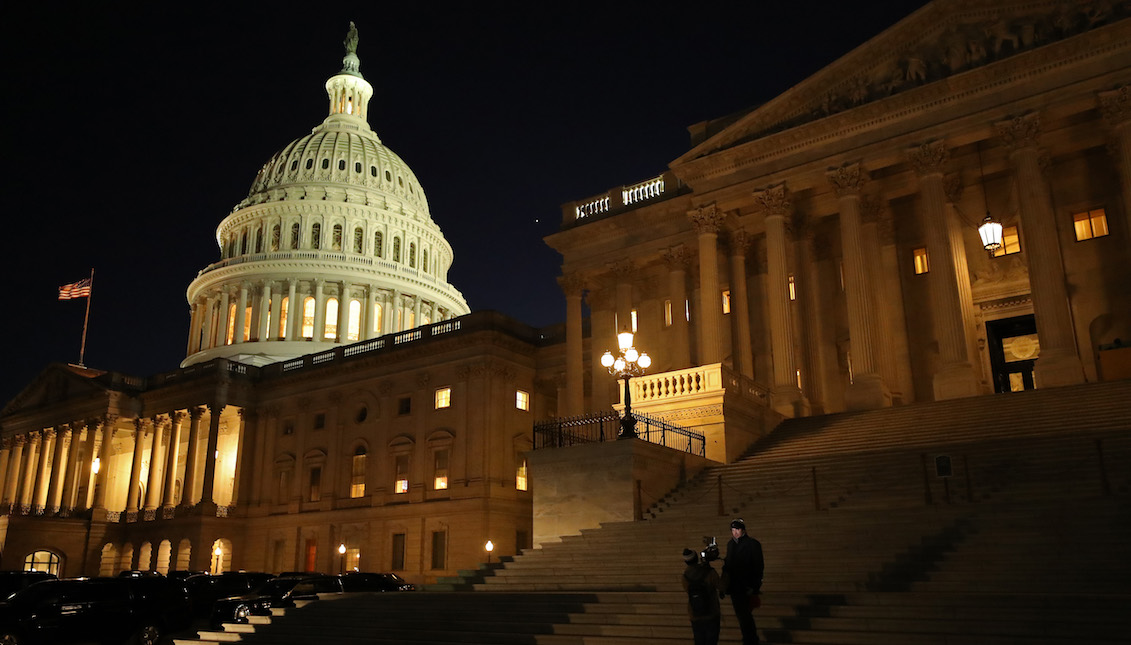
(819, 253)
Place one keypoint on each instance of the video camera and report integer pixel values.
(711, 552)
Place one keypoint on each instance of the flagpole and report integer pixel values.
(89, 297)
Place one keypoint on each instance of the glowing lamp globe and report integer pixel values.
(607, 359)
(644, 361)
(619, 364)
(624, 340)
(631, 354)
(990, 231)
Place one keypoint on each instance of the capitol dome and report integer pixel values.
(335, 223)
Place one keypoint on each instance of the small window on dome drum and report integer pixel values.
(400, 182)
(309, 164)
(325, 164)
(388, 176)
(373, 171)
(341, 164)
(357, 167)
(294, 165)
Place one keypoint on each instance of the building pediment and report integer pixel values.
(941, 40)
(57, 385)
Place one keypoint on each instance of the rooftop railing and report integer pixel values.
(622, 198)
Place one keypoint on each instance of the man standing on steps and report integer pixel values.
(742, 578)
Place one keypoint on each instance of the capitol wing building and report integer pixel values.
(339, 407)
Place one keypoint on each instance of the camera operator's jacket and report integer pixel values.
(704, 573)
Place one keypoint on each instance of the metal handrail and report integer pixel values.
(596, 427)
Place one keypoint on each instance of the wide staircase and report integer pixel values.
(1002, 520)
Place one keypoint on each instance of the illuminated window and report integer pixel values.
(294, 235)
(315, 484)
(45, 561)
(379, 244)
(443, 397)
(921, 264)
(331, 331)
(358, 240)
(412, 254)
(284, 306)
(1090, 224)
(396, 249)
(357, 473)
(353, 559)
(308, 317)
(521, 481)
(667, 313)
(798, 379)
(726, 302)
(401, 483)
(353, 332)
(276, 236)
(792, 288)
(316, 236)
(521, 400)
(632, 317)
(247, 323)
(687, 310)
(231, 333)
(1010, 242)
(378, 312)
(440, 469)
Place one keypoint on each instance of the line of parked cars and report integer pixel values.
(144, 608)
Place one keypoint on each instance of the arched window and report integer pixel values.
(247, 323)
(412, 254)
(379, 244)
(42, 561)
(259, 239)
(231, 333)
(377, 314)
(358, 240)
(357, 473)
(424, 261)
(276, 235)
(353, 332)
(331, 327)
(308, 317)
(243, 243)
(233, 242)
(396, 249)
(294, 235)
(309, 164)
(316, 236)
(284, 306)
(336, 238)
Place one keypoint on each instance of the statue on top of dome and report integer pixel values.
(351, 39)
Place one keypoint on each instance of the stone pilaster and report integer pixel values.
(207, 495)
(319, 310)
(192, 457)
(954, 377)
(263, 325)
(677, 259)
(294, 311)
(133, 494)
(706, 220)
(46, 444)
(738, 242)
(12, 476)
(1116, 108)
(573, 286)
(1058, 363)
(168, 498)
(102, 478)
(58, 468)
(623, 271)
(153, 482)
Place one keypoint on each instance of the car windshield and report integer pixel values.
(277, 587)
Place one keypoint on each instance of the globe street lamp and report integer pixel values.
(341, 558)
(489, 547)
(626, 364)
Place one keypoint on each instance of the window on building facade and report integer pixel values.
(284, 305)
(315, 484)
(412, 254)
(440, 469)
(396, 249)
(443, 397)
(353, 559)
(330, 331)
(276, 236)
(308, 317)
(1090, 224)
(397, 562)
(247, 323)
(319, 420)
(1010, 242)
(521, 400)
(353, 332)
(357, 473)
(404, 405)
(400, 484)
(358, 240)
(336, 237)
(687, 310)
(520, 477)
(295, 233)
(230, 336)
(922, 265)
(243, 243)
(316, 236)
(283, 494)
(259, 239)
(792, 288)
(667, 313)
(632, 319)
(424, 261)
(439, 549)
(726, 302)
(379, 244)
(45, 561)
(378, 313)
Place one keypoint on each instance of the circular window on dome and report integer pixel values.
(362, 414)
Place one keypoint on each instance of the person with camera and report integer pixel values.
(703, 588)
(742, 578)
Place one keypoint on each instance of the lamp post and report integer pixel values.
(490, 546)
(216, 554)
(341, 558)
(626, 364)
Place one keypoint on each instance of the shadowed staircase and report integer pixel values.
(1027, 542)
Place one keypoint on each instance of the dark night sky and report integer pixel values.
(129, 135)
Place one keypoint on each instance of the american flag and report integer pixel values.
(80, 289)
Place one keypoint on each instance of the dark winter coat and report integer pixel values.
(744, 566)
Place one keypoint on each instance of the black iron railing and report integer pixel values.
(605, 426)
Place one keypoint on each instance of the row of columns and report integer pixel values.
(379, 314)
(874, 368)
(32, 483)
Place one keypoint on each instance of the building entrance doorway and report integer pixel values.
(1014, 348)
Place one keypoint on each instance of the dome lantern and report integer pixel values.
(349, 92)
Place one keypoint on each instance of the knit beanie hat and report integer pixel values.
(738, 524)
(690, 557)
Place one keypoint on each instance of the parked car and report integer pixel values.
(204, 589)
(277, 592)
(13, 581)
(362, 581)
(105, 610)
(181, 575)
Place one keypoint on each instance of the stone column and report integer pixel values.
(241, 314)
(623, 272)
(222, 325)
(58, 468)
(573, 286)
(192, 457)
(46, 442)
(739, 242)
(879, 278)
(1116, 108)
(79, 497)
(207, 495)
(153, 482)
(955, 375)
(370, 317)
(5, 454)
(169, 498)
(319, 310)
(416, 311)
(245, 446)
(132, 493)
(706, 220)
(103, 477)
(26, 470)
(893, 315)
(294, 311)
(194, 329)
(952, 184)
(867, 389)
(811, 313)
(12, 474)
(263, 329)
(1058, 362)
(396, 316)
(677, 259)
(777, 210)
(344, 313)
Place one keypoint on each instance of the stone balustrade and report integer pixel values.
(677, 384)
